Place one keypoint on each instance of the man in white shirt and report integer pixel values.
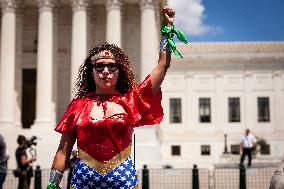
(248, 142)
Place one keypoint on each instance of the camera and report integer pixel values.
(30, 142)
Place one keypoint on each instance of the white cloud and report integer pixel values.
(190, 17)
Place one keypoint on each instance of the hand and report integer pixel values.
(168, 15)
(52, 185)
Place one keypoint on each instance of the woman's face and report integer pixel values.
(105, 72)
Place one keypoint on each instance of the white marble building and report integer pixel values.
(218, 89)
(44, 41)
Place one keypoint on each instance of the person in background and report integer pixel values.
(3, 161)
(277, 179)
(24, 163)
(248, 143)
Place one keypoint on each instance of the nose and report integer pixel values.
(105, 70)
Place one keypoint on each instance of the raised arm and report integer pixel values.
(158, 73)
(26, 161)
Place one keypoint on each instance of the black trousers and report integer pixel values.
(2, 179)
(246, 151)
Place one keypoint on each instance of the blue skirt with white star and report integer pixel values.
(122, 177)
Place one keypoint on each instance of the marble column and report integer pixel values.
(7, 62)
(278, 119)
(18, 64)
(149, 37)
(148, 152)
(219, 119)
(79, 38)
(190, 123)
(44, 64)
(250, 110)
(113, 25)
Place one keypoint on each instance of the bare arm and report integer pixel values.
(63, 152)
(159, 72)
(26, 161)
(241, 145)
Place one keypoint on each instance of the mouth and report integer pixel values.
(105, 79)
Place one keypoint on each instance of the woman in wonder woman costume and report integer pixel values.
(108, 105)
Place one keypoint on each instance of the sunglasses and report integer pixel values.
(99, 67)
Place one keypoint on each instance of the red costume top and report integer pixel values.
(104, 139)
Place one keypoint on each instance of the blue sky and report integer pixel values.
(230, 20)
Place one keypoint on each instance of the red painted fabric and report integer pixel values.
(103, 139)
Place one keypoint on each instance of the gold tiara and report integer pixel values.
(105, 54)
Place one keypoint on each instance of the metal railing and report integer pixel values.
(175, 178)
(219, 178)
(11, 182)
(241, 178)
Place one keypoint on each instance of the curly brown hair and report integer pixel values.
(85, 81)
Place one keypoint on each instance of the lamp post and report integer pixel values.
(225, 148)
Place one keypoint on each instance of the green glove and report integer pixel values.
(169, 33)
(52, 185)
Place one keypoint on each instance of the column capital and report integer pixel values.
(9, 5)
(79, 4)
(147, 4)
(45, 5)
(113, 4)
